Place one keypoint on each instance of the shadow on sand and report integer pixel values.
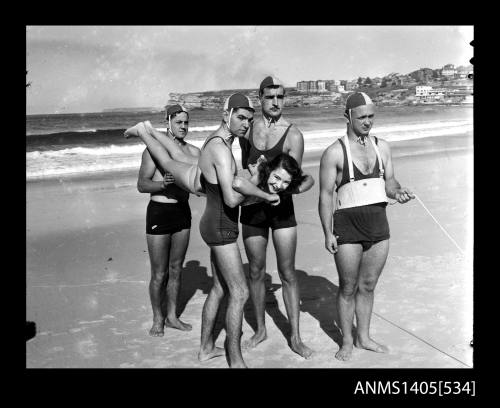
(193, 277)
(318, 297)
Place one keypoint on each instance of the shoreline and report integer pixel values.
(424, 145)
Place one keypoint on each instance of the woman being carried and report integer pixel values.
(280, 175)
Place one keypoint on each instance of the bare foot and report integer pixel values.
(257, 338)
(345, 352)
(177, 324)
(301, 349)
(148, 126)
(157, 329)
(371, 345)
(134, 130)
(207, 355)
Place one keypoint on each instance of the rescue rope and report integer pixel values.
(440, 226)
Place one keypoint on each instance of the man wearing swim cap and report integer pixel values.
(219, 229)
(357, 233)
(271, 135)
(168, 225)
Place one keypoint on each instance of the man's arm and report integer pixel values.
(245, 148)
(327, 177)
(222, 160)
(295, 144)
(145, 184)
(306, 184)
(392, 187)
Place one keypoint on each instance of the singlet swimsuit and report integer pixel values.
(219, 222)
(366, 224)
(263, 215)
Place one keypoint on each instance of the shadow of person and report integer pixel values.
(318, 297)
(193, 277)
(271, 306)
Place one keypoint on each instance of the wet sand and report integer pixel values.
(88, 271)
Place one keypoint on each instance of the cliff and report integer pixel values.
(215, 99)
(146, 109)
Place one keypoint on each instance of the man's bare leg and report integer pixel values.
(255, 241)
(158, 249)
(372, 263)
(285, 244)
(208, 350)
(187, 176)
(347, 260)
(228, 261)
(173, 149)
(178, 247)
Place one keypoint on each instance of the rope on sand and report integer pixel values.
(421, 339)
(440, 226)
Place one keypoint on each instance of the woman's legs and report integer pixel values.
(187, 176)
(173, 149)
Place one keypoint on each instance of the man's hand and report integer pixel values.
(331, 244)
(403, 195)
(252, 168)
(168, 179)
(273, 199)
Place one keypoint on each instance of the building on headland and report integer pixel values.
(317, 86)
(429, 94)
(320, 86)
(351, 85)
(464, 72)
(424, 85)
(302, 86)
(448, 70)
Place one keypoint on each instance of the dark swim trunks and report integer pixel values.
(263, 215)
(167, 218)
(365, 225)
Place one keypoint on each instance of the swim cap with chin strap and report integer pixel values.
(267, 82)
(236, 101)
(172, 110)
(354, 100)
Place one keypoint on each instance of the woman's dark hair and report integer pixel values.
(285, 161)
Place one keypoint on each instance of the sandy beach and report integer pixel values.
(88, 272)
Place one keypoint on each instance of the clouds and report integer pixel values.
(81, 69)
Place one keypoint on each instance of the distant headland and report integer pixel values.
(143, 109)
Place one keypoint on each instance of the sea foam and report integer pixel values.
(45, 164)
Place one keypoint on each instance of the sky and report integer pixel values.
(78, 69)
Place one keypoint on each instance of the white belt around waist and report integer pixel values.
(365, 191)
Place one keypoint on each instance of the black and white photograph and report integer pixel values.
(233, 196)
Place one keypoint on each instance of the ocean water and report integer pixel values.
(58, 145)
